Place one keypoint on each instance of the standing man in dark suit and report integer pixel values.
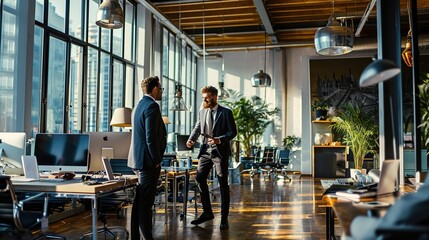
(215, 128)
(148, 143)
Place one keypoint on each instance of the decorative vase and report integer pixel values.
(327, 138)
(318, 139)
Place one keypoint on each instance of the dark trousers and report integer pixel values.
(205, 165)
(141, 212)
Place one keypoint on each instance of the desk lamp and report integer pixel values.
(121, 117)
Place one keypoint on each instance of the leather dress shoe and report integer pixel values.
(224, 225)
(203, 218)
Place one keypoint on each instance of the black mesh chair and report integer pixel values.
(15, 220)
(283, 160)
(265, 163)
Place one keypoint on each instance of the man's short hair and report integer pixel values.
(149, 83)
(209, 89)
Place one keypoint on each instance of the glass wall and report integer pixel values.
(8, 70)
(84, 78)
(178, 70)
(80, 72)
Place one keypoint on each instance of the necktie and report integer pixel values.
(209, 120)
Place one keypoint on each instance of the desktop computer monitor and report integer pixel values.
(181, 149)
(62, 152)
(112, 145)
(12, 147)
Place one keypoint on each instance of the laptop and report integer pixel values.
(31, 171)
(386, 185)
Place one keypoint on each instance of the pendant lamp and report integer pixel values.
(110, 15)
(378, 71)
(334, 39)
(178, 102)
(407, 54)
(224, 94)
(261, 78)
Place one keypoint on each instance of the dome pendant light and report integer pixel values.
(334, 39)
(262, 79)
(110, 15)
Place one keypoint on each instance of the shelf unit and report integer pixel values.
(329, 161)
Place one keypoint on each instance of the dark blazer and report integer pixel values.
(148, 138)
(224, 128)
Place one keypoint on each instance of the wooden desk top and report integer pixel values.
(74, 186)
(330, 199)
(346, 210)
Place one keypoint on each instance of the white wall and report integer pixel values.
(289, 91)
(240, 66)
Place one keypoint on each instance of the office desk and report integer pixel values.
(75, 189)
(332, 201)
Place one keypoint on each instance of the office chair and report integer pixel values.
(283, 161)
(14, 219)
(116, 202)
(265, 163)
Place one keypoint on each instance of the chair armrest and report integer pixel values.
(403, 232)
(23, 201)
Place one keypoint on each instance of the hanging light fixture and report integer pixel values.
(110, 15)
(334, 39)
(224, 94)
(378, 71)
(178, 102)
(407, 54)
(262, 79)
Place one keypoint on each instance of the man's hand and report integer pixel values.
(213, 141)
(189, 143)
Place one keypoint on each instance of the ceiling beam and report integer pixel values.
(265, 20)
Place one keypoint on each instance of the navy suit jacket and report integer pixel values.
(148, 138)
(224, 128)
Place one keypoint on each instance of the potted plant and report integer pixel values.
(289, 142)
(252, 117)
(320, 108)
(424, 111)
(359, 130)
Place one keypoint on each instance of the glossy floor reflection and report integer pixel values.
(260, 209)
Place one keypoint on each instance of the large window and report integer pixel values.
(88, 71)
(178, 70)
(8, 69)
(79, 73)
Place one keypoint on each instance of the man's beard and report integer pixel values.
(209, 104)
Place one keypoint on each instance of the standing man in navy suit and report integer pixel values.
(215, 128)
(148, 143)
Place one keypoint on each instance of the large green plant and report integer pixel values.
(359, 130)
(424, 110)
(252, 116)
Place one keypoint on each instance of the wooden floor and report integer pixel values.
(260, 209)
